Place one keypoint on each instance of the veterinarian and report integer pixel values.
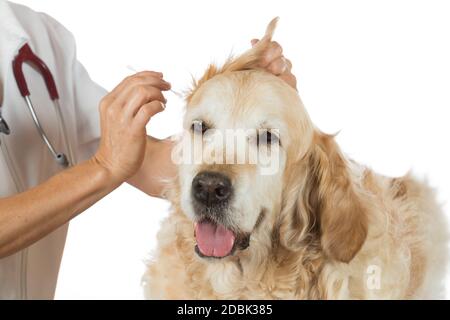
(106, 145)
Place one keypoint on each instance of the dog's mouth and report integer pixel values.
(214, 239)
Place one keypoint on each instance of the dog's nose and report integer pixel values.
(211, 188)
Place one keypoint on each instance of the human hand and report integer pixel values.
(274, 62)
(124, 113)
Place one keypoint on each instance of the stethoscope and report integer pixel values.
(26, 55)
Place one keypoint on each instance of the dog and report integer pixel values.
(319, 227)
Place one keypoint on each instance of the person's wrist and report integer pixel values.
(105, 173)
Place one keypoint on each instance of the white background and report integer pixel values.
(379, 71)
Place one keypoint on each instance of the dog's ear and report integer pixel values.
(327, 203)
(249, 60)
(333, 199)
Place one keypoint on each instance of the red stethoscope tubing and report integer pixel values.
(26, 55)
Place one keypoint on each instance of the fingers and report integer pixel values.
(289, 64)
(139, 96)
(132, 94)
(136, 90)
(142, 78)
(290, 79)
(148, 73)
(274, 62)
(145, 113)
(124, 114)
(278, 66)
(274, 51)
(273, 59)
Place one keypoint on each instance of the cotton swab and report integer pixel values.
(178, 94)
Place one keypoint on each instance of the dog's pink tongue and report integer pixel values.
(214, 240)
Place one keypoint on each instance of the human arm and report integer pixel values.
(27, 217)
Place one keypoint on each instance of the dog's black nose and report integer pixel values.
(211, 188)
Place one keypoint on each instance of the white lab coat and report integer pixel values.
(32, 274)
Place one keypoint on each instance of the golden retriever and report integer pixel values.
(320, 226)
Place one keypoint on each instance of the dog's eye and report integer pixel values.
(198, 126)
(267, 137)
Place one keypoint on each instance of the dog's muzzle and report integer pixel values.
(211, 195)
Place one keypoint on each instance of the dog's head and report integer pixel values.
(258, 165)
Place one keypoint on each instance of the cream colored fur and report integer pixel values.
(331, 229)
